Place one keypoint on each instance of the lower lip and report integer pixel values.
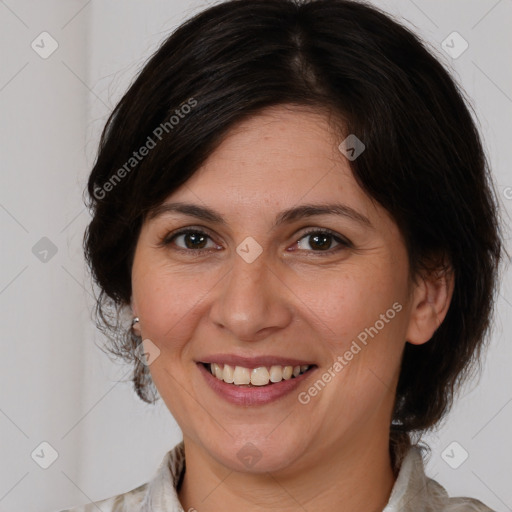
(254, 395)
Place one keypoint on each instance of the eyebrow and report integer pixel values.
(286, 216)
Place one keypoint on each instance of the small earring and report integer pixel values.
(135, 321)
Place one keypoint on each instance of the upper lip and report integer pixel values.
(253, 362)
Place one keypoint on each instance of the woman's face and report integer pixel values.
(262, 281)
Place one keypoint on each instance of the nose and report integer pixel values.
(252, 302)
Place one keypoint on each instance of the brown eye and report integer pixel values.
(191, 240)
(195, 240)
(321, 241)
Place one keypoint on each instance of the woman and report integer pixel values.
(293, 203)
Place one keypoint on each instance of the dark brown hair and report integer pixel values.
(423, 161)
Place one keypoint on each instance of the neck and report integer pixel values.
(346, 478)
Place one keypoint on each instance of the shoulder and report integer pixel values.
(157, 495)
(129, 501)
(414, 491)
(442, 502)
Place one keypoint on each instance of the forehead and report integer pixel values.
(280, 157)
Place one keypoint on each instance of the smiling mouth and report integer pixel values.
(261, 376)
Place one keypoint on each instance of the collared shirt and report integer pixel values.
(413, 490)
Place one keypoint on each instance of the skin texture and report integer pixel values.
(297, 300)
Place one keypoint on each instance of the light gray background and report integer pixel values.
(57, 386)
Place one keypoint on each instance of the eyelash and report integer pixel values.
(343, 243)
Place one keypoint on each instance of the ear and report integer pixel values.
(432, 295)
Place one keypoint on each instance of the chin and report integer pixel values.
(258, 453)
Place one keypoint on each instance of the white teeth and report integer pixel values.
(229, 376)
(287, 372)
(260, 376)
(241, 375)
(276, 373)
(217, 371)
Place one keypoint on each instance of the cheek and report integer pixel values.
(361, 316)
(353, 299)
(167, 301)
